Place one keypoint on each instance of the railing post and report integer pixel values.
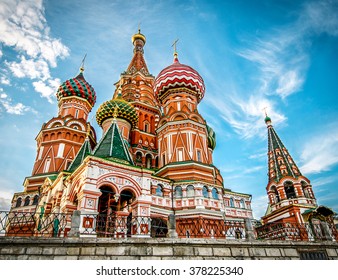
(75, 224)
(172, 226)
(249, 231)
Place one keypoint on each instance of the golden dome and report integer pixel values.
(138, 35)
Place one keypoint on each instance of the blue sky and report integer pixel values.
(252, 54)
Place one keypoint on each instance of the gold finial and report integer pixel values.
(116, 111)
(139, 28)
(175, 48)
(82, 64)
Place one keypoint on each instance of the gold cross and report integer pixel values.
(82, 63)
(174, 45)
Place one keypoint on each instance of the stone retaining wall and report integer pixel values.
(158, 249)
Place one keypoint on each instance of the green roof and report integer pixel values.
(113, 146)
(84, 151)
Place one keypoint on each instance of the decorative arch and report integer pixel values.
(289, 190)
(73, 123)
(205, 192)
(27, 201)
(178, 192)
(232, 202)
(55, 123)
(190, 191)
(214, 193)
(18, 202)
(275, 194)
(178, 116)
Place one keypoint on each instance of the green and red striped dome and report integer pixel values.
(79, 87)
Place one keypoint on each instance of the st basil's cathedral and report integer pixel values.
(155, 156)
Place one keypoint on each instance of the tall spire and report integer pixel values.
(280, 162)
(138, 63)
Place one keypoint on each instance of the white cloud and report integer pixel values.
(4, 81)
(47, 88)
(282, 57)
(246, 116)
(320, 153)
(253, 169)
(24, 28)
(30, 68)
(15, 109)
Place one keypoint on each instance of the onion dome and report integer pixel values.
(267, 120)
(79, 87)
(211, 138)
(139, 36)
(117, 108)
(179, 75)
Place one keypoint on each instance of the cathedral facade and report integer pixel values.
(155, 158)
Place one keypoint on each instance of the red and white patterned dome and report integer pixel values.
(179, 75)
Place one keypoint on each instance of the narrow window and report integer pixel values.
(199, 156)
(41, 152)
(159, 190)
(190, 191)
(18, 202)
(205, 192)
(60, 150)
(35, 200)
(178, 106)
(180, 154)
(178, 192)
(47, 164)
(27, 200)
(232, 203)
(214, 193)
(76, 113)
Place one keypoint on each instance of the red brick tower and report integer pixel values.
(185, 141)
(60, 138)
(136, 87)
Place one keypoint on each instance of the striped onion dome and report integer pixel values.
(118, 108)
(179, 75)
(79, 87)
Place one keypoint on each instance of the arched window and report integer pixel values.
(35, 200)
(190, 191)
(178, 191)
(27, 200)
(289, 190)
(205, 192)
(242, 203)
(148, 161)
(232, 203)
(18, 202)
(275, 193)
(138, 158)
(214, 193)
(159, 190)
(305, 190)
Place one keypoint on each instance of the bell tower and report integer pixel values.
(290, 193)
